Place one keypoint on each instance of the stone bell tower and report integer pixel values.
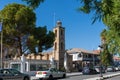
(59, 44)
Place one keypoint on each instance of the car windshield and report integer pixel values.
(85, 67)
(42, 69)
(14, 71)
(97, 66)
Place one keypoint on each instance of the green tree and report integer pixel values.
(18, 21)
(110, 46)
(106, 56)
(40, 40)
(20, 33)
(111, 38)
(100, 8)
(106, 11)
(33, 3)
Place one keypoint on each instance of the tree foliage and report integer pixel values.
(100, 8)
(20, 33)
(41, 39)
(106, 56)
(18, 21)
(33, 3)
(111, 38)
(108, 12)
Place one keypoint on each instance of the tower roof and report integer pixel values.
(59, 23)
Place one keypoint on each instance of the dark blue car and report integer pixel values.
(87, 70)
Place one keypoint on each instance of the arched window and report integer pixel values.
(55, 33)
(79, 55)
(55, 45)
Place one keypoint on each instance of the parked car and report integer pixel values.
(116, 68)
(110, 69)
(50, 74)
(87, 70)
(12, 74)
(98, 68)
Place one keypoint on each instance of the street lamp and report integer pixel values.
(100, 48)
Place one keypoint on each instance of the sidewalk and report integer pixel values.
(94, 78)
(104, 76)
(73, 74)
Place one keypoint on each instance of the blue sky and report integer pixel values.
(80, 32)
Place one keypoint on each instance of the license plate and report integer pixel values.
(39, 72)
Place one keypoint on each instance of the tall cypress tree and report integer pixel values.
(106, 56)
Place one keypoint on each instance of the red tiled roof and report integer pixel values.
(96, 51)
(73, 50)
(116, 58)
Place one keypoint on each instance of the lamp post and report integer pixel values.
(100, 48)
(1, 44)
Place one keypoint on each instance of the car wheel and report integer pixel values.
(64, 75)
(50, 77)
(1, 79)
(26, 78)
(41, 79)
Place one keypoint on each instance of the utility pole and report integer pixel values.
(1, 43)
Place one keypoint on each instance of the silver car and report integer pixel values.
(12, 74)
(98, 68)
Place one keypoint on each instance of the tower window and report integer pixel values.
(55, 33)
(61, 45)
(55, 46)
(61, 32)
(47, 57)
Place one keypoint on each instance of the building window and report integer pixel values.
(55, 33)
(36, 67)
(61, 45)
(86, 56)
(61, 32)
(89, 56)
(55, 45)
(16, 66)
(79, 55)
(32, 67)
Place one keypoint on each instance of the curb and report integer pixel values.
(95, 78)
(112, 75)
(104, 77)
(73, 74)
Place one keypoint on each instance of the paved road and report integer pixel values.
(79, 76)
(89, 77)
(114, 78)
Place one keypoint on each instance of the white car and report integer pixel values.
(50, 74)
(110, 69)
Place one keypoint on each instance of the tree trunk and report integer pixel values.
(20, 46)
